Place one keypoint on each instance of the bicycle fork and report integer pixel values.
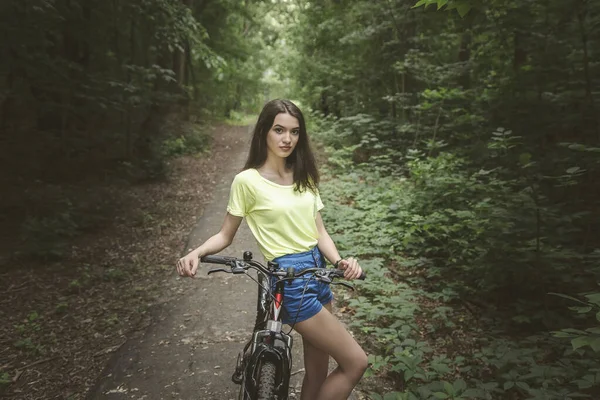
(268, 343)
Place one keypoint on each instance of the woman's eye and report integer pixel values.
(295, 133)
(278, 130)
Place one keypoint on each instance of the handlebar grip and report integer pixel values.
(340, 274)
(216, 259)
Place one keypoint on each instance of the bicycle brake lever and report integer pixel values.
(218, 270)
(343, 284)
(238, 268)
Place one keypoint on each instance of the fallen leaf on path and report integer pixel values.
(119, 389)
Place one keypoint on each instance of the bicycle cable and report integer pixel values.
(273, 297)
(261, 286)
(301, 301)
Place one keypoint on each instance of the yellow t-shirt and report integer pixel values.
(281, 219)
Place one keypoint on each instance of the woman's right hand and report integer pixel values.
(187, 265)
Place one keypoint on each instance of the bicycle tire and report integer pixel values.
(266, 381)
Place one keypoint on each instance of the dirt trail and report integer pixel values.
(190, 348)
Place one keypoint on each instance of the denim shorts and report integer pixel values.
(296, 306)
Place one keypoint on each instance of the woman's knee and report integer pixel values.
(321, 330)
(360, 363)
(356, 364)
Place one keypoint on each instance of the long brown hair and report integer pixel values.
(301, 161)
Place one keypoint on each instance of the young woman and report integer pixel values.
(277, 194)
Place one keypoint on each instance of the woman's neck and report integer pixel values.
(276, 166)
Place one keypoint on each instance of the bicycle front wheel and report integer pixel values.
(266, 381)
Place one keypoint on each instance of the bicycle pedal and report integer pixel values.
(237, 377)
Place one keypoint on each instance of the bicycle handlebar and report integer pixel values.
(217, 259)
(242, 265)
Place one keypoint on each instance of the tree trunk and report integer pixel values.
(180, 57)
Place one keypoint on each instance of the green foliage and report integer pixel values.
(29, 324)
(75, 285)
(461, 6)
(27, 331)
(30, 346)
(462, 150)
(447, 237)
(590, 336)
(185, 145)
(237, 118)
(115, 274)
(61, 307)
(112, 319)
(96, 81)
(47, 237)
(4, 379)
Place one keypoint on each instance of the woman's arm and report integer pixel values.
(328, 249)
(325, 243)
(188, 265)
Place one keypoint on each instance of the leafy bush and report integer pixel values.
(47, 237)
(589, 336)
(192, 142)
(451, 232)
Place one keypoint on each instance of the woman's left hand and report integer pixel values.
(350, 267)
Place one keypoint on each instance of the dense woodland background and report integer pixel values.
(463, 157)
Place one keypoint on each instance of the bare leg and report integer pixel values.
(316, 366)
(326, 334)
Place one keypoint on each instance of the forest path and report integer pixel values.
(190, 348)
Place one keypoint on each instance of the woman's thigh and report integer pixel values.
(326, 334)
(316, 361)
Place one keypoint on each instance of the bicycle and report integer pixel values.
(263, 367)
